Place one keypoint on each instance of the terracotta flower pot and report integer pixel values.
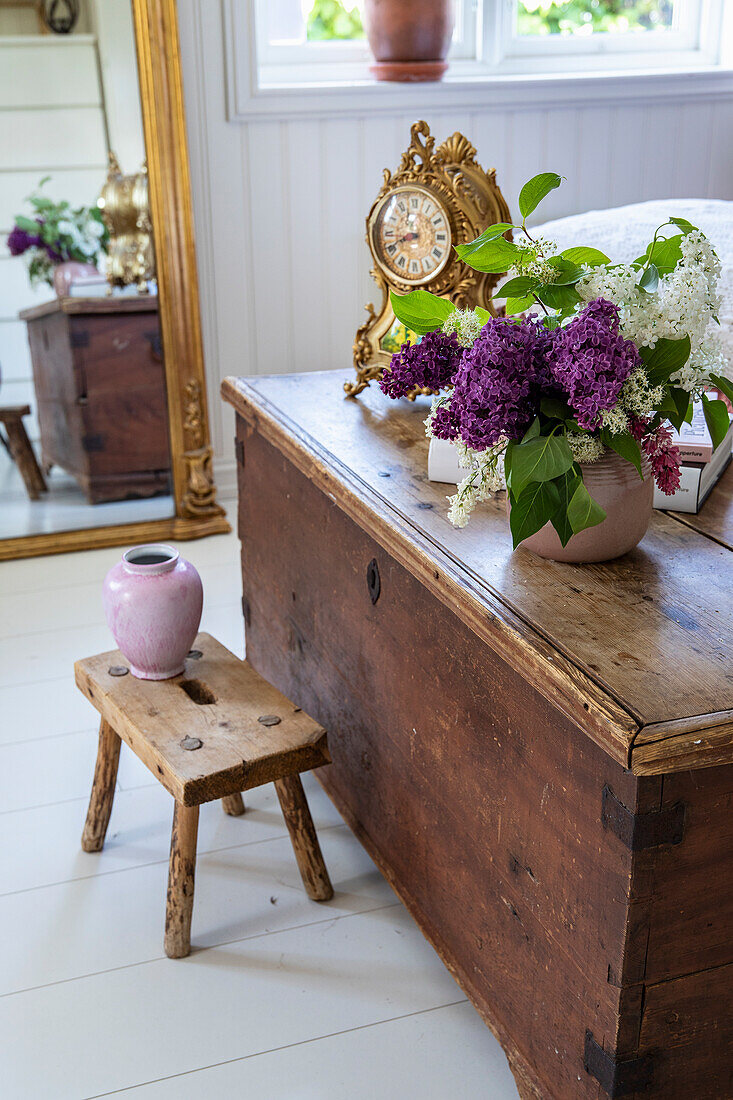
(152, 601)
(410, 39)
(627, 501)
(66, 272)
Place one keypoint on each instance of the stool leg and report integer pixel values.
(233, 804)
(181, 874)
(103, 789)
(305, 840)
(25, 459)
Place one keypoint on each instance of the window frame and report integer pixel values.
(490, 79)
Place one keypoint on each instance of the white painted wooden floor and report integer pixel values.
(281, 998)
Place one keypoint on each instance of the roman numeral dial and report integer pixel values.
(410, 235)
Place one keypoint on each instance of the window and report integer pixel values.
(310, 33)
(323, 41)
(576, 17)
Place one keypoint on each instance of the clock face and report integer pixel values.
(410, 235)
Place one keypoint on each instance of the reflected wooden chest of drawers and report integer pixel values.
(538, 756)
(99, 380)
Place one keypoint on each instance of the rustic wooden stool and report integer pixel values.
(214, 731)
(19, 447)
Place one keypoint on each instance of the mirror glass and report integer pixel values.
(83, 407)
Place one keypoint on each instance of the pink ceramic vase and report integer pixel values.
(65, 273)
(153, 600)
(625, 498)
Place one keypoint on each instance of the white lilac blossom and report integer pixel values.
(585, 448)
(465, 324)
(485, 476)
(685, 303)
(533, 259)
(615, 420)
(638, 396)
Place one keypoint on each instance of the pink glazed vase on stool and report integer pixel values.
(153, 600)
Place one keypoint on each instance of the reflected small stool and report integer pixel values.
(214, 731)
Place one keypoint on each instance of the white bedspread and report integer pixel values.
(624, 232)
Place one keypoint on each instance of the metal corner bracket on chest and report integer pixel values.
(644, 830)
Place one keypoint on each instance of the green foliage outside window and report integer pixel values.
(331, 19)
(541, 17)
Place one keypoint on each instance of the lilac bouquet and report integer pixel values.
(55, 233)
(590, 356)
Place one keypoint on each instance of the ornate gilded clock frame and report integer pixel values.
(197, 512)
(472, 201)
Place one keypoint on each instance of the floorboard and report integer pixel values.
(281, 997)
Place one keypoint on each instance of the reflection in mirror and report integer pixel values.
(83, 405)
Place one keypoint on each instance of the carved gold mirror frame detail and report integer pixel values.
(472, 199)
(196, 510)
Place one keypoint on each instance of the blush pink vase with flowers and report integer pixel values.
(153, 600)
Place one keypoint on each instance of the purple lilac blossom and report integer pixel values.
(498, 384)
(431, 363)
(591, 361)
(19, 241)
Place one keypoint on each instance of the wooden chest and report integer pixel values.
(100, 388)
(538, 756)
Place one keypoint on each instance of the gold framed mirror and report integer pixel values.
(191, 493)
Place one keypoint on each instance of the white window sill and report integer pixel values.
(351, 90)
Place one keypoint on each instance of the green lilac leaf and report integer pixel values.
(716, 418)
(540, 459)
(588, 257)
(555, 408)
(532, 431)
(558, 297)
(666, 357)
(568, 273)
(494, 257)
(722, 384)
(583, 511)
(535, 190)
(683, 404)
(421, 311)
(665, 253)
(518, 305)
(649, 280)
(483, 314)
(624, 444)
(534, 507)
(518, 287)
(28, 224)
(491, 233)
(566, 486)
(684, 225)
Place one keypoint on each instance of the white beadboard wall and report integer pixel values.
(51, 123)
(279, 204)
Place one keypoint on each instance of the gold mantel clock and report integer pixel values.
(437, 199)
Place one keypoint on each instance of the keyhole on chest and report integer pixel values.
(374, 583)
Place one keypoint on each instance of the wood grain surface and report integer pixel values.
(617, 646)
(217, 700)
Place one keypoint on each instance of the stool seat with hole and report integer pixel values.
(212, 732)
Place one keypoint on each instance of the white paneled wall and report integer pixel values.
(280, 203)
(51, 123)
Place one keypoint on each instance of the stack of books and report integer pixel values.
(701, 465)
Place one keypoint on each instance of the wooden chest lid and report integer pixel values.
(140, 303)
(637, 651)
